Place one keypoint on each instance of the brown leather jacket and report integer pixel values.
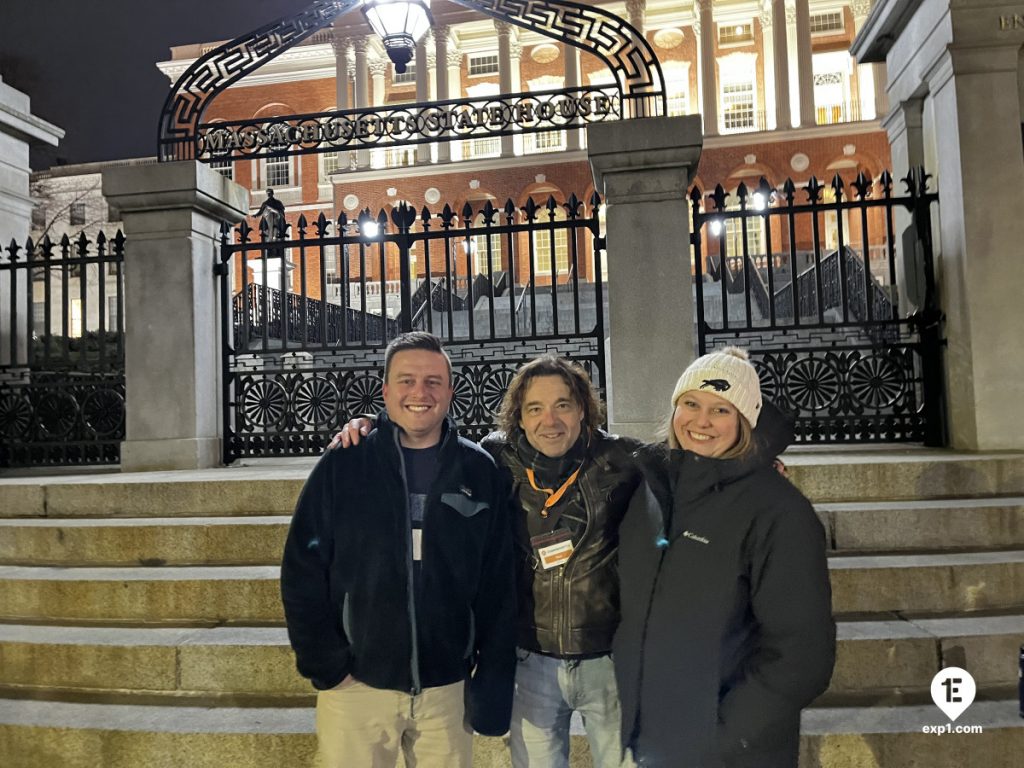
(572, 609)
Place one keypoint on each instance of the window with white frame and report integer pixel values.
(677, 86)
(832, 101)
(548, 141)
(39, 318)
(486, 147)
(76, 213)
(329, 163)
(827, 23)
(738, 96)
(396, 157)
(546, 241)
(489, 146)
(480, 243)
(225, 168)
(75, 327)
(755, 237)
(735, 34)
(279, 171)
(483, 64)
(404, 78)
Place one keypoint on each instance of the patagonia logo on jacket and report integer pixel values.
(695, 537)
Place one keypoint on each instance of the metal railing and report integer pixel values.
(296, 363)
(62, 352)
(788, 279)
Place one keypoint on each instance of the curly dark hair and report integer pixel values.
(571, 373)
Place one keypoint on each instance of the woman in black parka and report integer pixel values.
(726, 629)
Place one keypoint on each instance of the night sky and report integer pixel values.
(89, 66)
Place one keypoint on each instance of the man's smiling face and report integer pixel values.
(417, 394)
(550, 417)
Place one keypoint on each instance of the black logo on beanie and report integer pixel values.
(719, 385)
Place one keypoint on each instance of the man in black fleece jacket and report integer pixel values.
(398, 581)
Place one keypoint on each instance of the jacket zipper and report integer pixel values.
(414, 662)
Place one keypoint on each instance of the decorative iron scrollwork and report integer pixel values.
(626, 53)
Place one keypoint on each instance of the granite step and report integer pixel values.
(206, 595)
(861, 583)
(36, 733)
(903, 474)
(876, 658)
(933, 524)
(258, 540)
(951, 582)
(900, 737)
(250, 540)
(824, 476)
(958, 582)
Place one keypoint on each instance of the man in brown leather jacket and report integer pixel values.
(572, 482)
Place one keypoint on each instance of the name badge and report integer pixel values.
(417, 543)
(552, 549)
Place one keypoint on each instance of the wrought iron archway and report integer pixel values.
(640, 90)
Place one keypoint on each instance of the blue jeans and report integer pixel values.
(548, 690)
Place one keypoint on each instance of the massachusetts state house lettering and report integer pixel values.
(352, 129)
(1012, 21)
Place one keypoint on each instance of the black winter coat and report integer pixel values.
(346, 576)
(726, 631)
(571, 610)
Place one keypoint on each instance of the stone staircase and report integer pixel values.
(140, 622)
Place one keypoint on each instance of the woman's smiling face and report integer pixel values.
(706, 424)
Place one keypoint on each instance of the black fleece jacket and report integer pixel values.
(349, 599)
(726, 630)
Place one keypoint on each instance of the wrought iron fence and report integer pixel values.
(62, 352)
(308, 312)
(788, 280)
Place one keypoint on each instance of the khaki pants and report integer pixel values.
(362, 727)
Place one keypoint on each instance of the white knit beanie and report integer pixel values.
(727, 373)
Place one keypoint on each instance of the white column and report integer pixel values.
(637, 11)
(572, 80)
(19, 130)
(768, 44)
(708, 77)
(504, 29)
(341, 47)
(172, 214)
(866, 96)
(378, 71)
(780, 58)
(455, 89)
(362, 89)
(804, 64)
(444, 148)
(422, 92)
(643, 168)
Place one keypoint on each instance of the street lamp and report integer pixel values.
(400, 24)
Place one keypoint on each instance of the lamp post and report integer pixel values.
(400, 24)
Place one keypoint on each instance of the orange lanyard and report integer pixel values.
(553, 495)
